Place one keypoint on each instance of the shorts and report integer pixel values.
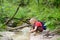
(40, 29)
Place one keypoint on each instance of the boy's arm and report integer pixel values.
(34, 29)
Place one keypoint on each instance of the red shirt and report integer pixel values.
(38, 24)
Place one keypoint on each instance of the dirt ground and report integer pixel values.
(40, 37)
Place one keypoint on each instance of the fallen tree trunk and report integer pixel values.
(19, 27)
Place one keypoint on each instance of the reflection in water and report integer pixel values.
(23, 34)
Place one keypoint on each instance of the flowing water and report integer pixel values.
(23, 34)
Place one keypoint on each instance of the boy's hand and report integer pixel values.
(31, 31)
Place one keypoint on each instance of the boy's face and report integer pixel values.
(32, 22)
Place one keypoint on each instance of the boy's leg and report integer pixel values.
(39, 29)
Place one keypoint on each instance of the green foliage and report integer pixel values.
(44, 10)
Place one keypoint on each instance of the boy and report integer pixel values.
(37, 26)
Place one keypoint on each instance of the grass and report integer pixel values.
(41, 12)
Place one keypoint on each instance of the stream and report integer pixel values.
(23, 34)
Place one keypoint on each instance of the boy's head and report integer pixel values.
(32, 20)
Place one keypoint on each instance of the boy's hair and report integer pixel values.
(32, 19)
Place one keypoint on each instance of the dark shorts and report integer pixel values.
(39, 29)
